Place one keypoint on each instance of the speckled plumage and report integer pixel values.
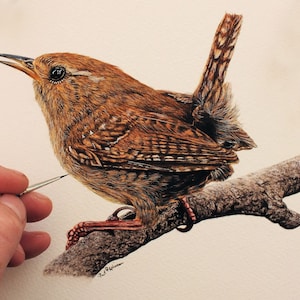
(133, 144)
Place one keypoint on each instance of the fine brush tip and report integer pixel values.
(42, 184)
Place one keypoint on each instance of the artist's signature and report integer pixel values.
(109, 268)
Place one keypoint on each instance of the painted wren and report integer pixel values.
(133, 144)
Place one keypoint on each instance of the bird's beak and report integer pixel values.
(24, 64)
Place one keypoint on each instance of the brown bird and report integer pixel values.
(130, 143)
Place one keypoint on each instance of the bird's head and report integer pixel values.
(66, 83)
(56, 67)
(57, 70)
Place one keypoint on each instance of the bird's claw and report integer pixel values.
(114, 222)
(191, 217)
(130, 214)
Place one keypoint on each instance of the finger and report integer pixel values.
(34, 243)
(18, 257)
(12, 182)
(12, 223)
(37, 206)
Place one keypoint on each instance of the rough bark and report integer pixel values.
(259, 194)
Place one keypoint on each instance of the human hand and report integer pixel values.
(16, 245)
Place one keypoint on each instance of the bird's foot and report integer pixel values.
(114, 222)
(191, 217)
(129, 214)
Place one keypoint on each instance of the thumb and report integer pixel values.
(12, 223)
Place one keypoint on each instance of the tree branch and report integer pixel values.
(258, 194)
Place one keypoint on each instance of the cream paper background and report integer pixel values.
(165, 45)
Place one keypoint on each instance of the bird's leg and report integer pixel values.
(114, 222)
(191, 217)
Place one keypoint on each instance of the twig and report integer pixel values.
(259, 194)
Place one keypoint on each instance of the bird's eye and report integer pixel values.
(57, 74)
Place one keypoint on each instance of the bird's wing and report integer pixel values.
(148, 141)
(179, 97)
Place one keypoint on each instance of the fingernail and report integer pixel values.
(39, 196)
(14, 171)
(18, 172)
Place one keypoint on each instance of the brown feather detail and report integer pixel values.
(133, 144)
(213, 111)
(147, 141)
(219, 58)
